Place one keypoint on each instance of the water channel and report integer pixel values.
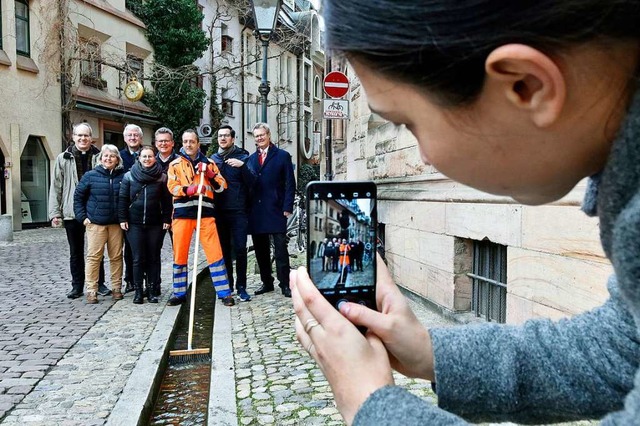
(184, 393)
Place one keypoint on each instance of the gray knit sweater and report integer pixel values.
(545, 371)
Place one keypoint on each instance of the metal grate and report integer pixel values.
(489, 281)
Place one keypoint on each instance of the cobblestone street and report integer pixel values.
(63, 362)
(277, 382)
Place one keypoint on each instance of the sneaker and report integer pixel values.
(244, 296)
(176, 300)
(103, 290)
(228, 301)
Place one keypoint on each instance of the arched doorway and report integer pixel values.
(34, 181)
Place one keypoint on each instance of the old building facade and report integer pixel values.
(62, 63)
(232, 72)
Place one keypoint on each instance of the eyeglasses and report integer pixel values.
(82, 135)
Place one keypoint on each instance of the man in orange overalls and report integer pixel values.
(344, 263)
(183, 178)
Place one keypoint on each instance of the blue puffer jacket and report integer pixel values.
(96, 196)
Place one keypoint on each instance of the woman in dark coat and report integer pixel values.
(145, 212)
(95, 204)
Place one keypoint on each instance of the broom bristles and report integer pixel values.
(190, 356)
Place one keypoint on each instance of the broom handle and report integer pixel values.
(195, 264)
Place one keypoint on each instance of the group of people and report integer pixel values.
(337, 254)
(128, 199)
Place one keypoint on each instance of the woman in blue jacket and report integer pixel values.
(144, 211)
(95, 204)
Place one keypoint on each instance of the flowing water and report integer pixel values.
(184, 392)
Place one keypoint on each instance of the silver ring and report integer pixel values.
(310, 324)
(309, 347)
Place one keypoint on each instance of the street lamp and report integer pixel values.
(265, 13)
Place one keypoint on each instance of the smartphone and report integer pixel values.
(341, 240)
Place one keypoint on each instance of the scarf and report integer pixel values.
(224, 153)
(83, 161)
(146, 174)
(614, 195)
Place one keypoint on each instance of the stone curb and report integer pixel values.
(222, 390)
(136, 401)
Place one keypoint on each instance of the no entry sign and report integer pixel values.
(336, 84)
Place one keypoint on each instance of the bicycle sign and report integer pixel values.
(335, 109)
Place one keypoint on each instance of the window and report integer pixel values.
(258, 60)
(317, 88)
(136, 67)
(489, 279)
(320, 225)
(34, 178)
(226, 42)
(289, 72)
(307, 85)
(227, 104)
(249, 109)
(23, 44)
(256, 109)
(91, 64)
(283, 70)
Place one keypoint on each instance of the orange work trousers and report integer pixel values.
(183, 230)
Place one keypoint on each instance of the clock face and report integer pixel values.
(133, 91)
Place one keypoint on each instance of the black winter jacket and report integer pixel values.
(239, 181)
(144, 196)
(96, 196)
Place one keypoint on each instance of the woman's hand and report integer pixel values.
(124, 226)
(355, 365)
(405, 338)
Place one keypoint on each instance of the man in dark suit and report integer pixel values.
(271, 204)
(232, 205)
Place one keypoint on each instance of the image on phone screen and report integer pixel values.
(341, 227)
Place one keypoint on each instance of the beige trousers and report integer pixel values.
(97, 237)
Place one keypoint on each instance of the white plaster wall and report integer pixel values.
(29, 102)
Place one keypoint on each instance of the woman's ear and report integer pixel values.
(529, 80)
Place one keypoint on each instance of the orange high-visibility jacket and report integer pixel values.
(180, 175)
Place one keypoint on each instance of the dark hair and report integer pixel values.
(151, 147)
(442, 45)
(226, 126)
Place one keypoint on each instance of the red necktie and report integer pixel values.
(262, 156)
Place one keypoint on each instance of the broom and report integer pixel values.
(190, 354)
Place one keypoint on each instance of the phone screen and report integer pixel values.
(341, 236)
